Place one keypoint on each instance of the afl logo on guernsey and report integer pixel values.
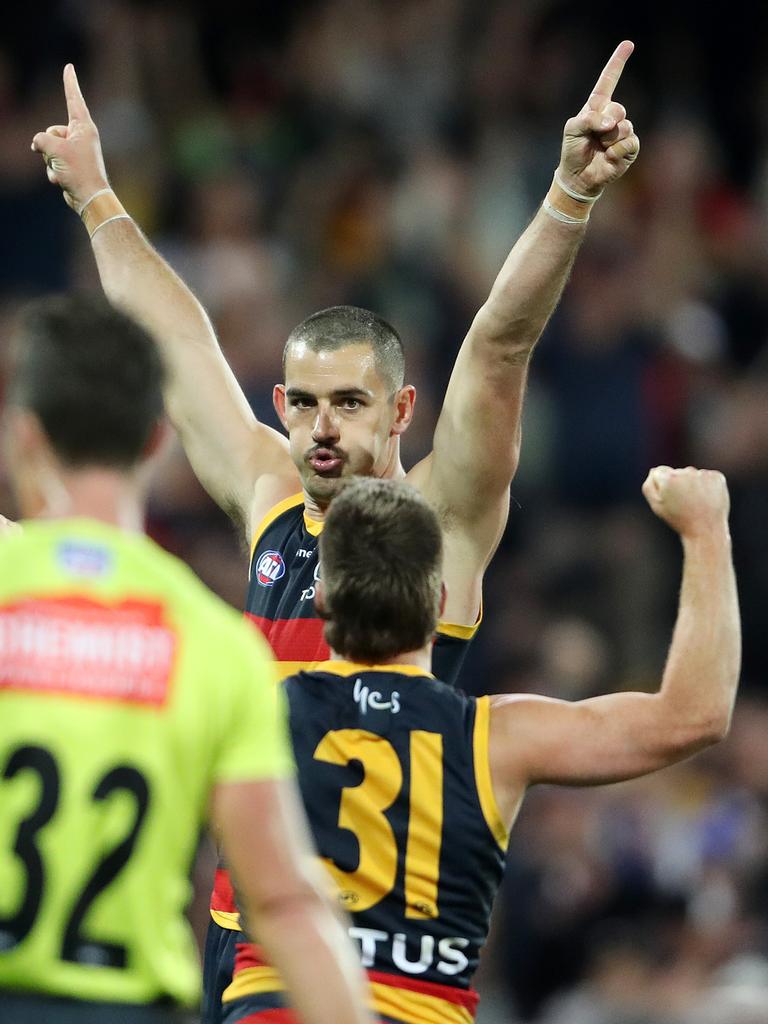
(270, 568)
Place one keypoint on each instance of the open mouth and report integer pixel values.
(325, 462)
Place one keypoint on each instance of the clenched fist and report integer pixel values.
(692, 501)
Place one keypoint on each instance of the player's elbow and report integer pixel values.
(717, 726)
(699, 733)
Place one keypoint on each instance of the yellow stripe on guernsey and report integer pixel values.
(460, 632)
(273, 514)
(352, 668)
(387, 1000)
(483, 781)
(227, 919)
(314, 527)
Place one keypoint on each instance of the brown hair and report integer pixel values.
(93, 377)
(381, 560)
(340, 326)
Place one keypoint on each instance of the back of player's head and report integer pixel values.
(341, 326)
(381, 558)
(91, 375)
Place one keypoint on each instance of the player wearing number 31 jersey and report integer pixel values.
(411, 786)
(133, 704)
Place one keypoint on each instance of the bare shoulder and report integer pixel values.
(269, 490)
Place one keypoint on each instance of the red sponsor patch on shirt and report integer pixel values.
(74, 645)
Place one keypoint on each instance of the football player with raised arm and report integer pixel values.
(344, 401)
(411, 786)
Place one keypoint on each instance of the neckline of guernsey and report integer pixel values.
(313, 526)
(351, 668)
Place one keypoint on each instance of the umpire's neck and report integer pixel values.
(47, 486)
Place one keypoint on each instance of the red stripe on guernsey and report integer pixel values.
(467, 998)
(247, 954)
(223, 895)
(293, 639)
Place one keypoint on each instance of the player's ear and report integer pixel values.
(320, 605)
(24, 433)
(443, 598)
(29, 458)
(278, 400)
(158, 436)
(405, 400)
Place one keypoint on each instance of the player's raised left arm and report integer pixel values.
(624, 735)
(477, 440)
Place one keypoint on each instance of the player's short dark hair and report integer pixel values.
(381, 556)
(91, 375)
(340, 326)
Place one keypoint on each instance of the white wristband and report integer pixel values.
(578, 196)
(87, 203)
(117, 216)
(564, 218)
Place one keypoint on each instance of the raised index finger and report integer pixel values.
(76, 108)
(610, 75)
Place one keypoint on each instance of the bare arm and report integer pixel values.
(227, 446)
(623, 735)
(477, 441)
(283, 890)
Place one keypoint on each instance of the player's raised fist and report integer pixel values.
(599, 143)
(72, 151)
(692, 501)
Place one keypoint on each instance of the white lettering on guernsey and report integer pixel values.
(120, 652)
(308, 594)
(450, 959)
(368, 937)
(372, 699)
(450, 951)
(303, 553)
(426, 954)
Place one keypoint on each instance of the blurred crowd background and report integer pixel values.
(287, 156)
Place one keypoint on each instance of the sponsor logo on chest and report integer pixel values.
(270, 568)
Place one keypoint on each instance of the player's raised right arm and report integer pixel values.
(227, 446)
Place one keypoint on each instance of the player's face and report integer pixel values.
(341, 417)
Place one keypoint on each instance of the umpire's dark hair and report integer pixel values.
(381, 553)
(91, 375)
(340, 326)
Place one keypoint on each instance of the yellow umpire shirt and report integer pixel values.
(127, 691)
